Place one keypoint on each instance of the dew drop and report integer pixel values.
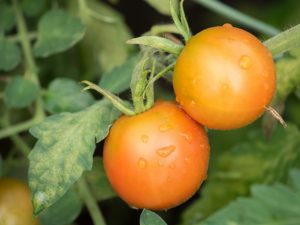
(195, 81)
(245, 62)
(187, 160)
(266, 86)
(145, 138)
(159, 163)
(165, 151)
(165, 127)
(187, 137)
(172, 166)
(225, 87)
(228, 25)
(142, 163)
(193, 103)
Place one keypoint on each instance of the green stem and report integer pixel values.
(116, 101)
(284, 41)
(90, 202)
(15, 129)
(16, 38)
(238, 17)
(24, 39)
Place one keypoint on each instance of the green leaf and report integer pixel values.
(64, 211)
(159, 43)
(20, 92)
(273, 205)
(65, 95)
(103, 46)
(98, 182)
(162, 6)
(7, 18)
(33, 8)
(57, 32)
(65, 147)
(252, 161)
(288, 74)
(10, 55)
(294, 180)
(150, 218)
(118, 79)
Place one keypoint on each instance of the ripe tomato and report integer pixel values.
(224, 77)
(157, 159)
(15, 203)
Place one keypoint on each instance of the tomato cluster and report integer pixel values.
(223, 78)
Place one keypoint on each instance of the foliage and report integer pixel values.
(52, 132)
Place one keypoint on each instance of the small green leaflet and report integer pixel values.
(33, 8)
(64, 211)
(10, 55)
(273, 205)
(65, 95)
(118, 79)
(20, 92)
(150, 218)
(65, 147)
(57, 32)
(7, 18)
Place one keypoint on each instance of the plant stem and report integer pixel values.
(116, 101)
(284, 41)
(239, 17)
(16, 38)
(90, 202)
(24, 39)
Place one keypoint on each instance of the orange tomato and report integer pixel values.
(224, 77)
(157, 159)
(15, 203)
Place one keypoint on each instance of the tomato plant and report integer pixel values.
(159, 150)
(224, 77)
(85, 155)
(15, 203)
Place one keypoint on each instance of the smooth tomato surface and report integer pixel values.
(157, 159)
(15, 203)
(224, 77)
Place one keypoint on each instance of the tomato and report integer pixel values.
(224, 77)
(157, 159)
(15, 203)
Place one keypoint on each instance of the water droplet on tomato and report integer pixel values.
(187, 160)
(187, 137)
(192, 103)
(266, 86)
(172, 166)
(145, 138)
(165, 151)
(227, 25)
(245, 62)
(195, 81)
(159, 163)
(142, 163)
(165, 127)
(225, 87)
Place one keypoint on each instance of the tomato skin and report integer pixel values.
(157, 159)
(224, 77)
(15, 203)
